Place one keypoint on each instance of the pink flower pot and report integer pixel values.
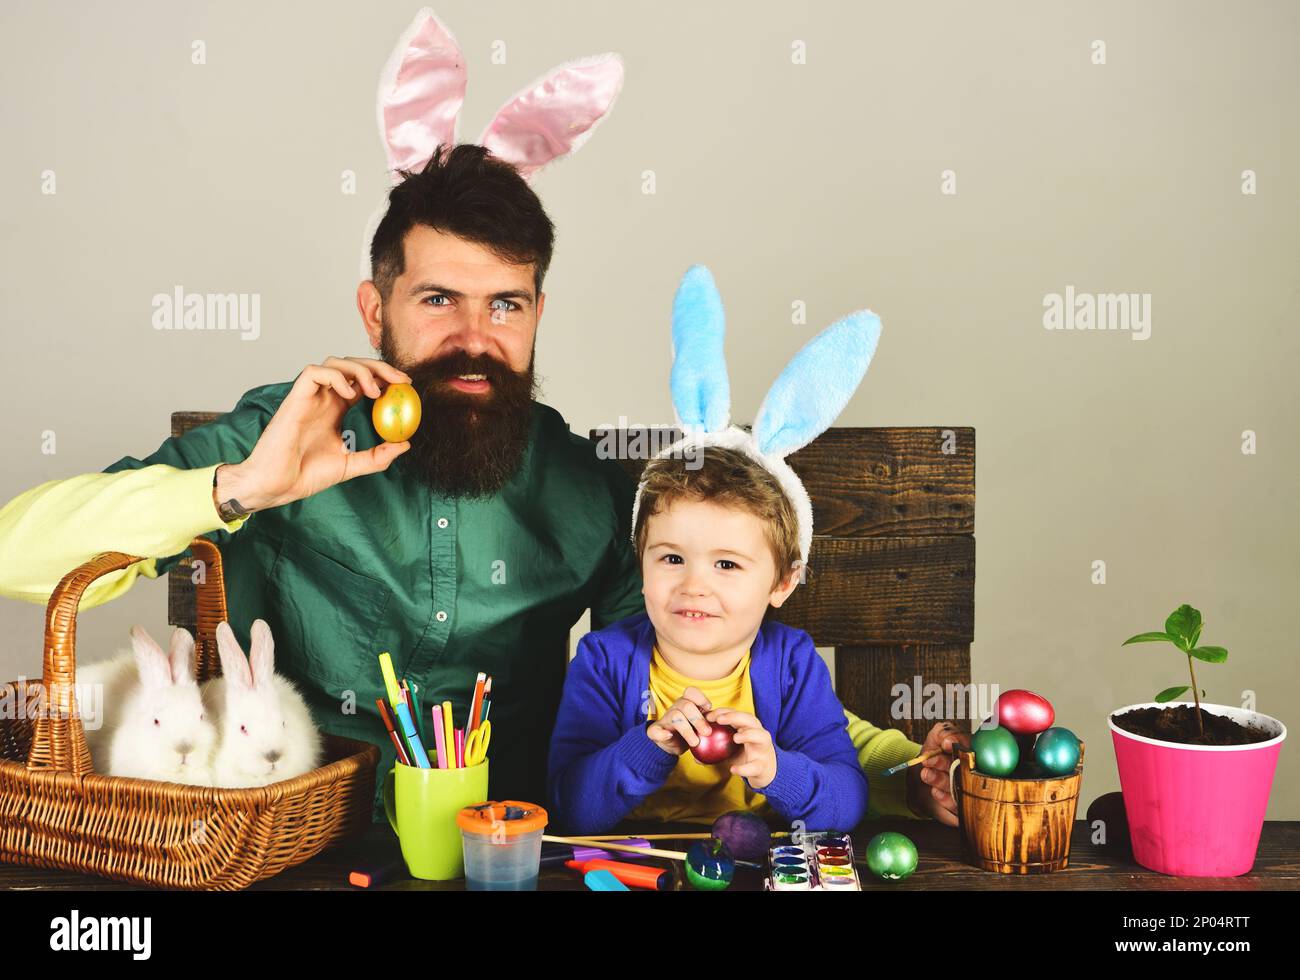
(1196, 810)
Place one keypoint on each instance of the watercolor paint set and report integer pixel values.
(813, 861)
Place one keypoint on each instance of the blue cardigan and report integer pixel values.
(603, 764)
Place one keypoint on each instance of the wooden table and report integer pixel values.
(943, 867)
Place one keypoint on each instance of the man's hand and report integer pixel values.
(682, 724)
(301, 450)
(928, 791)
(757, 760)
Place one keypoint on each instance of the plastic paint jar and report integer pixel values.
(502, 845)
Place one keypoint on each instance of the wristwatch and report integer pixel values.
(228, 510)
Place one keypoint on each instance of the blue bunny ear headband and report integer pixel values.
(805, 399)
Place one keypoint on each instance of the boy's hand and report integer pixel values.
(928, 791)
(757, 759)
(682, 724)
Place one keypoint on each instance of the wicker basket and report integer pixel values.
(57, 812)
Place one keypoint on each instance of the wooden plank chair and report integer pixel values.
(891, 577)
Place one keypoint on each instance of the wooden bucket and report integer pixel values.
(1016, 826)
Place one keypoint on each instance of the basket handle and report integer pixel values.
(209, 608)
(58, 739)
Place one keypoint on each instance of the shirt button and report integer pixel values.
(441, 617)
(442, 522)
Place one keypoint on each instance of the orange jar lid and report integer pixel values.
(510, 817)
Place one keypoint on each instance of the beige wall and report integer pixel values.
(818, 182)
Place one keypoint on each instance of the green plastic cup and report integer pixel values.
(421, 805)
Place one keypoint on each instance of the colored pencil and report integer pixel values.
(475, 703)
(392, 732)
(405, 695)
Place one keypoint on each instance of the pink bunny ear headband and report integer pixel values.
(422, 88)
(805, 399)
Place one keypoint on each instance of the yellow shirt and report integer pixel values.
(694, 792)
(880, 749)
(49, 530)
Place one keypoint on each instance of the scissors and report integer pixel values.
(476, 744)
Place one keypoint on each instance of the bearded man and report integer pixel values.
(473, 548)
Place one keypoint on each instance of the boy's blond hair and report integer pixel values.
(728, 478)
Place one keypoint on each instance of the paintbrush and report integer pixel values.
(645, 851)
(701, 836)
(912, 762)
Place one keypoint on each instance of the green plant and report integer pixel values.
(1183, 630)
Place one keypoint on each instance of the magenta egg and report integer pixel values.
(1025, 712)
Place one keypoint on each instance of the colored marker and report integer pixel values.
(603, 880)
(553, 854)
(439, 736)
(448, 736)
(413, 699)
(390, 679)
(634, 875)
(370, 874)
(408, 729)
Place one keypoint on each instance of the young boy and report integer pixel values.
(718, 546)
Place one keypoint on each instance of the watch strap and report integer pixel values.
(228, 510)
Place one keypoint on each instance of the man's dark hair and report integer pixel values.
(467, 192)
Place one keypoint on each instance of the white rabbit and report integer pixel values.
(265, 730)
(151, 719)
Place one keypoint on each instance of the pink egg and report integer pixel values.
(1024, 712)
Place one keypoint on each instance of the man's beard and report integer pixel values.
(468, 444)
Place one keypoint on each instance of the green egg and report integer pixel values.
(996, 751)
(891, 855)
(1057, 751)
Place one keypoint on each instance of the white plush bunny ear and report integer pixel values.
(816, 385)
(701, 392)
(550, 118)
(421, 91)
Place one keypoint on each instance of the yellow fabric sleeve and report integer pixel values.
(879, 749)
(154, 511)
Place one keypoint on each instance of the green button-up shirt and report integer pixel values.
(449, 587)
